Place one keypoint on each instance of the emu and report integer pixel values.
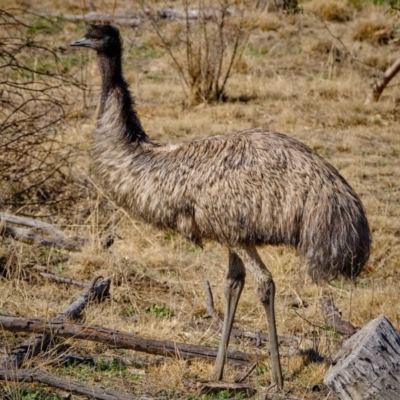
(242, 189)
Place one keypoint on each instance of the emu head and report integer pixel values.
(105, 39)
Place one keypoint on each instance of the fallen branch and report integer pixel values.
(27, 236)
(57, 238)
(379, 85)
(192, 13)
(70, 386)
(32, 223)
(137, 362)
(40, 342)
(118, 339)
(333, 316)
(246, 373)
(63, 279)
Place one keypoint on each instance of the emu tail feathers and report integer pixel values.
(335, 238)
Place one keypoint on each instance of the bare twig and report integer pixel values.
(246, 373)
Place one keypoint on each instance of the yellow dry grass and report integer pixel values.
(298, 75)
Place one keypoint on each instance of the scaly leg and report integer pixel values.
(233, 288)
(266, 292)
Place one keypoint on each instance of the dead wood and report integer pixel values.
(379, 85)
(56, 238)
(70, 386)
(41, 341)
(233, 389)
(210, 387)
(32, 223)
(137, 361)
(30, 237)
(63, 279)
(367, 367)
(246, 373)
(205, 13)
(334, 318)
(118, 339)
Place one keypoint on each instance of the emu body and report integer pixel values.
(243, 189)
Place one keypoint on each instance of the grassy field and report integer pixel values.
(306, 75)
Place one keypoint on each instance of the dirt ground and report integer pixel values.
(306, 74)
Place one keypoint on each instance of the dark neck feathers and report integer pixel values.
(115, 88)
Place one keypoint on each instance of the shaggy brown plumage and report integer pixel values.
(241, 189)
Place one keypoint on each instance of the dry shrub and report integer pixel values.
(330, 10)
(204, 47)
(377, 29)
(34, 167)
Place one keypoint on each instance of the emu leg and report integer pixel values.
(233, 288)
(266, 292)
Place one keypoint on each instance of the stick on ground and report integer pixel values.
(70, 386)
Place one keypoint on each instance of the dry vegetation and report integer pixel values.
(307, 75)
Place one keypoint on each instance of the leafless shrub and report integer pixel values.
(204, 43)
(33, 103)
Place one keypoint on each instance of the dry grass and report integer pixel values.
(374, 29)
(331, 10)
(298, 76)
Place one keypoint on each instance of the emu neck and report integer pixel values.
(117, 107)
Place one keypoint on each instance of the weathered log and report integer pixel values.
(367, 367)
(40, 342)
(70, 386)
(30, 237)
(32, 223)
(137, 362)
(57, 238)
(117, 339)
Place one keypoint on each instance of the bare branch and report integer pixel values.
(379, 85)
(118, 339)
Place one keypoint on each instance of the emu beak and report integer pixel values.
(84, 42)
